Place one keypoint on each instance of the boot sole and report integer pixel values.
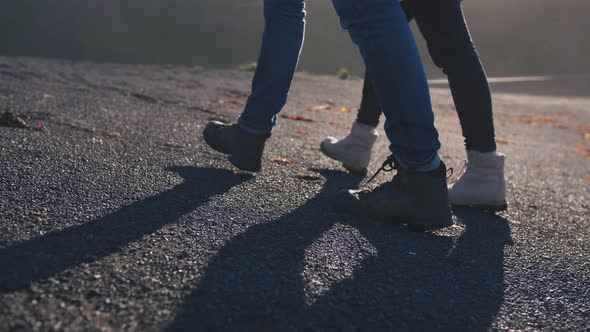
(484, 207)
(245, 167)
(414, 224)
(347, 167)
(423, 225)
(209, 133)
(354, 170)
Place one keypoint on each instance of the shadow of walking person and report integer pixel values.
(422, 283)
(255, 279)
(45, 256)
(412, 281)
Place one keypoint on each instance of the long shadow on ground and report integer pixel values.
(414, 282)
(46, 256)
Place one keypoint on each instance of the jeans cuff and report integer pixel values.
(429, 166)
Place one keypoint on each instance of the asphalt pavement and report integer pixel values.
(115, 215)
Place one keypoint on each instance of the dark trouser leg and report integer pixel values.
(442, 24)
(370, 110)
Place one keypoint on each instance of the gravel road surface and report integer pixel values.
(114, 214)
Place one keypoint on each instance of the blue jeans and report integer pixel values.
(284, 29)
(380, 30)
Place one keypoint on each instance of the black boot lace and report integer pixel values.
(389, 165)
(461, 173)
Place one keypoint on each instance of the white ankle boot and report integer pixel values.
(354, 150)
(482, 185)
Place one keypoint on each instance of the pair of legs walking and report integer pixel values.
(417, 195)
(380, 30)
(443, 26)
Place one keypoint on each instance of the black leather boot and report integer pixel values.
(245, 149)
(419, 200)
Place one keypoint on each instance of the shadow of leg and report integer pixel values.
(46, 256)
(478, 259)
(256, 279)
(415, 281)
(421, 282)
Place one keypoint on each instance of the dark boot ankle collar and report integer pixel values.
(251, 131)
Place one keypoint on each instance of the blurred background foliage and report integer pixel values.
(514, 37)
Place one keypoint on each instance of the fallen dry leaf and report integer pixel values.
(233, 102)
(212, 102)
(585, 151)
(345, 110)
(9, 119)
(114, 134)
(282, 160)
(559, 126)
(588, 177)
(536, 119)
(587, 136)
(296, 118)
(319, 108)
(584, 128)
(35, 213)
(300, 132)
(501, 141)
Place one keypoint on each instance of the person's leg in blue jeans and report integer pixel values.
(282, 40)
(417, 195)
(281, 46)
(393, 64)
(355, 149)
